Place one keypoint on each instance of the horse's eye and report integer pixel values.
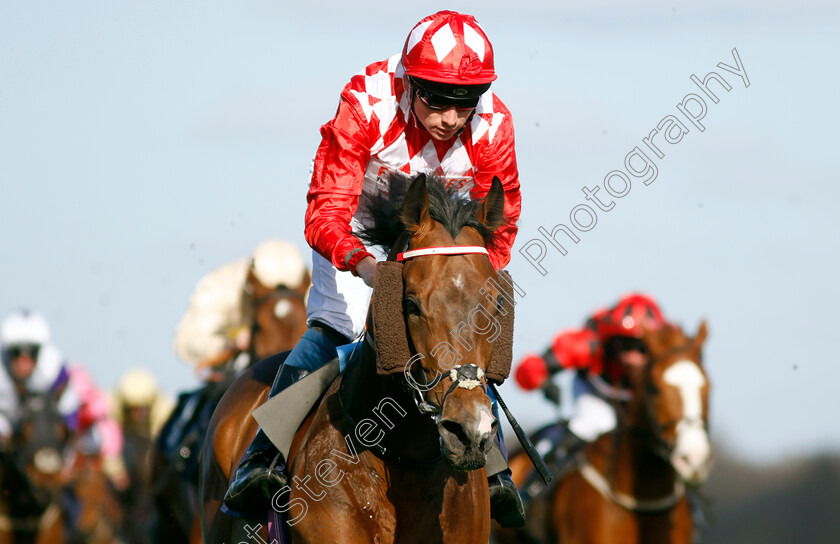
(499, 303)
(412, 307)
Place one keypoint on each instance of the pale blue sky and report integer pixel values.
(143, 144)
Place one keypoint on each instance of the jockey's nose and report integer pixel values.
(449, 117)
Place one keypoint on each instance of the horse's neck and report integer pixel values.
(370, 395)
(628, 460)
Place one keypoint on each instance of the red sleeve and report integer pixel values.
(577, 349)
(498, 158)
(337, 179)
(531, 372)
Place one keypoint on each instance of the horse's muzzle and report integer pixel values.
(465, 441)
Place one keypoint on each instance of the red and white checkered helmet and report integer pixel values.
(450, 48)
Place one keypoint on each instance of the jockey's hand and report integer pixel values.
(366, 269)
(551, 392)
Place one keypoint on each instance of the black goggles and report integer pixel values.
(626, 343)
(441, 103)
(19, 350)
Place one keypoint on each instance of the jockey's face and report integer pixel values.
(630, 352)
(442, 124)
(22, 361)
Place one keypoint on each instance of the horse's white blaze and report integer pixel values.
(692, 451)
(686, 376)
(282, 308)
(485, 422)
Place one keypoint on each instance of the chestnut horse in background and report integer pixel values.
(30, 475)
(279, 320)
(629, 485)
(380, 460)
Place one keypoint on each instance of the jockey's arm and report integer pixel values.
(499, 160)
(335, 188)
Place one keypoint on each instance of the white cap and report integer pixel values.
(137, 387)
(278, 263)
(24, 327)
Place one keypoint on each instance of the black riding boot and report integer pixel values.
(505, 503)
(262, 469)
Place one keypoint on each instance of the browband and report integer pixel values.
(448, 250)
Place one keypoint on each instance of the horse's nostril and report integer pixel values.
(457, 430)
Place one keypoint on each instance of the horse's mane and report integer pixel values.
(446, 206)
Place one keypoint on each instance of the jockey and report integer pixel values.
(426, 110)
(217, 324)
(137, 404)
(600, 356)
(31, 364)
(99, 435)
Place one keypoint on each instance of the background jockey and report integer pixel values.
(217, 323)
(31, 364)
(137, 404)
(99, 436)
(427, 110)
(600, 355)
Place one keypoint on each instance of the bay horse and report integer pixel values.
(30, 475)
(93, 504)
(278, 322)
(629, 486)
(394, 451)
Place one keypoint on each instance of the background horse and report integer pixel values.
(30, 503)
(419, 479)
(629, 486)
(93, 504)
(279, 320)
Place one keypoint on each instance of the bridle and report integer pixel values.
(655, 437)
(467, 376)
(654, 440)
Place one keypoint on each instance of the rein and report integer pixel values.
(629, 502)
(380, 451)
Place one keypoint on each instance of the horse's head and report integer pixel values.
(39, 440)
(278, 315)
(678, 399)
(448, 320)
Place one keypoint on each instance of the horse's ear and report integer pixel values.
(702, 333)
(491, 212)
(252, 284)
(416, 204)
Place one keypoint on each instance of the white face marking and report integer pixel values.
(282, 308)
(485, 422)
(459, 282)
(692, 452)
(686, 376)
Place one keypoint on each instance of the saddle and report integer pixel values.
(281, 415)
(550, 444)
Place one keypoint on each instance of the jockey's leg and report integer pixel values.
(505, 503)
(593, 415)
(336, 311)
(262, 470)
